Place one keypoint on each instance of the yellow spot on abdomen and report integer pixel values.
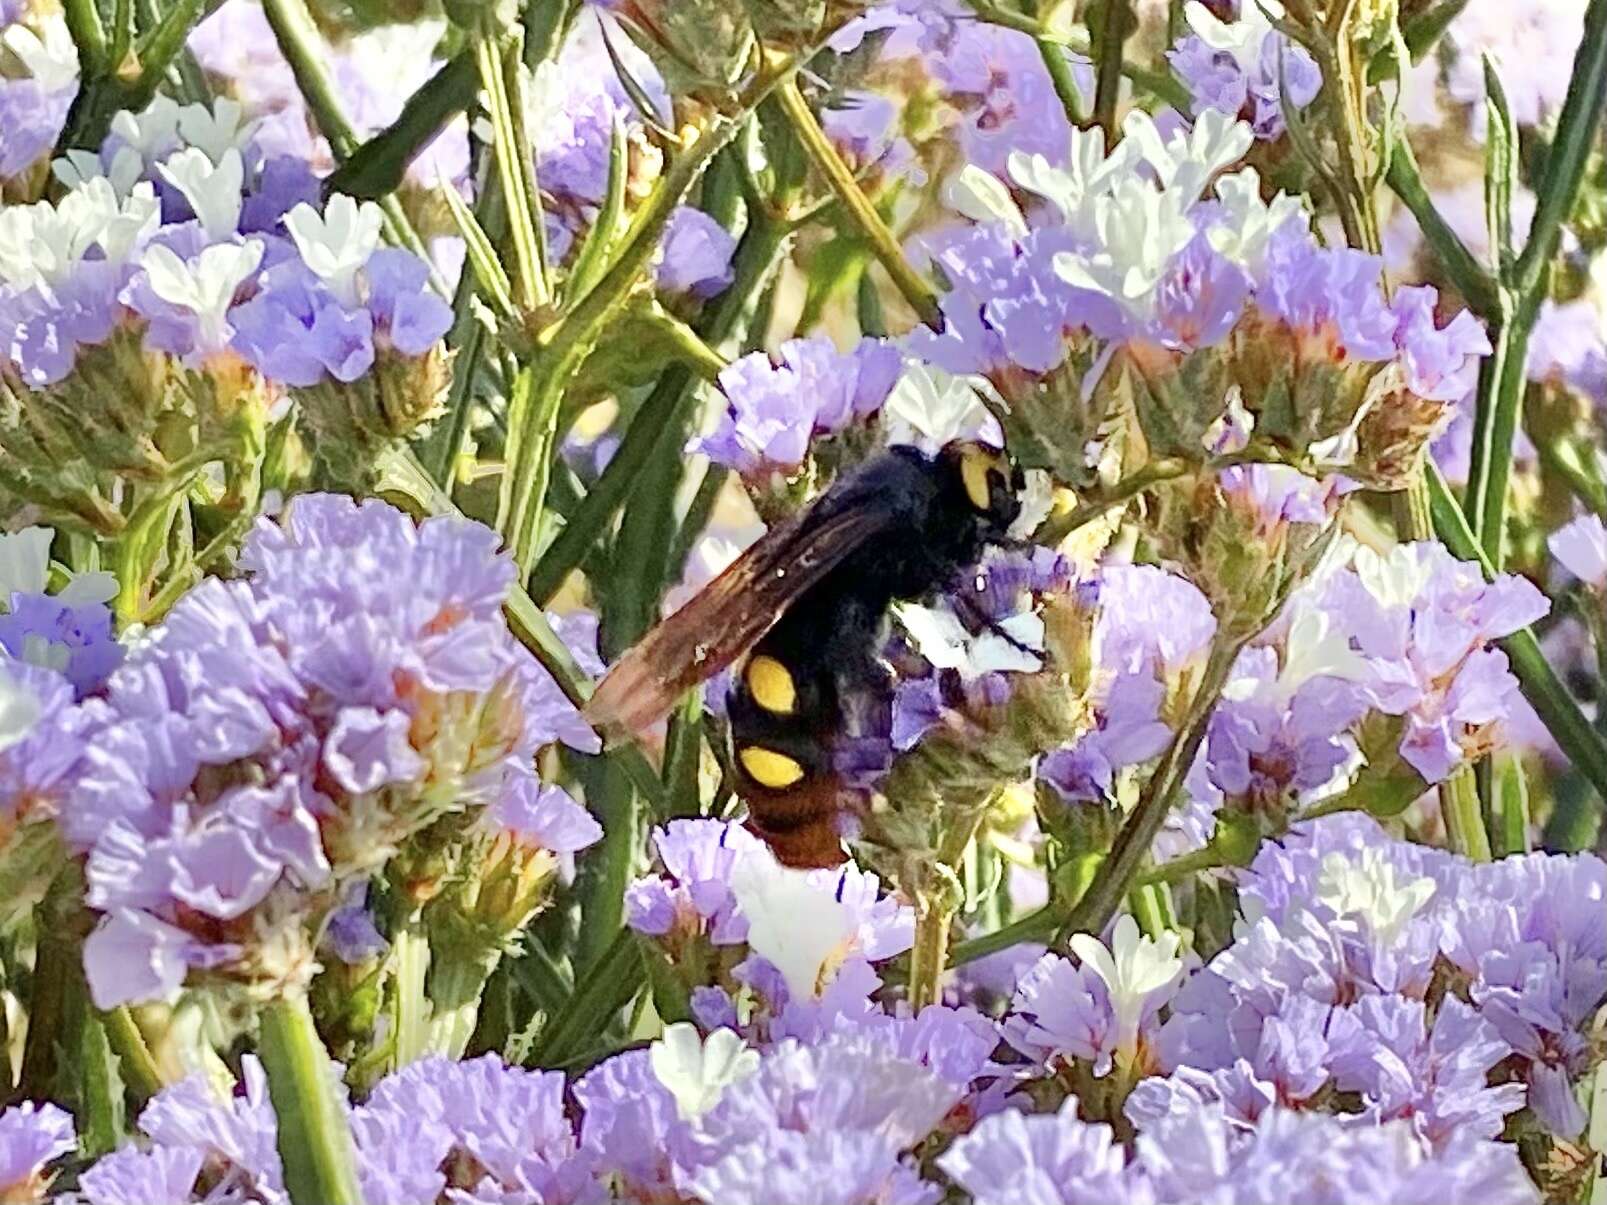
(975, 467)
(771, 685)
(769, 768)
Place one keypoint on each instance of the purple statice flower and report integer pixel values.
(996, 80)
(847, 1103)
(1581, 548)
(693, 895)
(32, 1136)
(63, 632)
(1527, 934)
(34, 104)
(631, 1129)
(1244, 67)
(776, 405)
(1046, 1158)
(234, 1135)
(1436, 1076)
(351, 934)
(1202, 1155)
(1441, 363)
(42, 741)
(186, 298)
(1200, 297)
(1006, 312)
(543, 817)
(1149, 619)
(294, 333)
(131, 1176)
(504, 1127)
(407, 315)
(694, 256)
(1425, 623)
(1127, 731)
(1103, 1010)
(1329, 296)
(1568, 347)
(272, 712)
(865, 126)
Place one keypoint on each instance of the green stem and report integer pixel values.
(376, 168)
(138, 1065)
(660, 416)
(1113, 34)
(1478, 288)
(457, 981)
(1539, 681)
(1464, 815)
(1577, 125)
(315, 1144)
(410, 968)
(1035, 926)
(916, 290)
(1117, 872)
(936, 905)
(614, 978)
(688, 346)
(532, 277)
(83, 23)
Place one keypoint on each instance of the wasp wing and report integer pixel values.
(728, 616)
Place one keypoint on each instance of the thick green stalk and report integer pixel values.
(1464, 816)
(916, 290)
(315, 1144)
(1035, 926)
(458, 977)
(376, 168)
(1539, 681)
(410, 1016)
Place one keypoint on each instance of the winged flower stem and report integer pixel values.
(1117, 25)
(315, 1144)
(916, 290)
(936, 903)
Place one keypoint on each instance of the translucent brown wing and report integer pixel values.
(728, 616)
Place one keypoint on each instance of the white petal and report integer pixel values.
(24, 562)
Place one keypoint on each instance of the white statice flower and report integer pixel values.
(698, 1070)
(1366, 886)
(25, 569)
(1187, 161)
(1315, 647)
(1240, 38)
(152, 132)
(78, 167)
(928, 408)
(41, 244)
(336, 244)
(205, 286)
(19, 709)
(795, 922)
(940, 637)
(212, 189)
(51, 59)
(1398, 577)
(1248, 221)
(216, 129)
(1089, 173)
(1134, 968)
(975, 194)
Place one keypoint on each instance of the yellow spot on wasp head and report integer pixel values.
(978, 467)
(771, 685)
(769, 768)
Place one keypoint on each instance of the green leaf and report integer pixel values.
(488, 270)
(100, 1089)
(377, 167)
